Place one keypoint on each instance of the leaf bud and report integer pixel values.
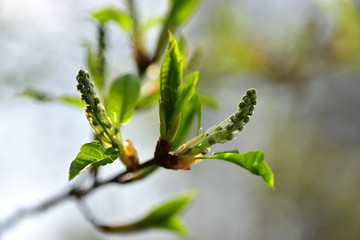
(88, 109)
(241, 105)
(96, 101)
(81, 73)
(94, 122)
(211, 141)
(246, 110)
(231, 137)
(84, 98)
(250, 92)
(205, 151)
(229, 126)
(238, 115)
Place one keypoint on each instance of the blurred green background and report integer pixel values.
(302, 56)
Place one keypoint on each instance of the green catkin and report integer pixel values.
(101, 53)
(95, 111)
(225, 131)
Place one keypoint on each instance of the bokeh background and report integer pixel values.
(303, 57)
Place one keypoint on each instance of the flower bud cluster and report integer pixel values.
(95, 111)
(225, 131)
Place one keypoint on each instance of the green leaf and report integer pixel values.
(166, 216)
(187, 92)
(252, 161)
(180, 11)
(45, 97)
(187, 106)
(188, 114)
(176, 115)
(152, 22)
(91, 154)
(37, 95)
(183, 46)
(229, 151)
(112, 14)
(147, 101)
(198, 111)
(75, 101)
(187, 119)
(208, 101)
(123, 96)
(170, 89)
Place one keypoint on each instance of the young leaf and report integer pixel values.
(174, 224)
(252, 161)
(91, 154)
(166, 216)
(75, 101)
(45, 97)
(188, 106)
(180, 11)
(112, 14)
(170, 87)
(228, 151)
(151, 22)
(149, 94)
(184, 48)
(198, 111)
(37, 95)
(147, 101)
(208, 101)
(188, 91)
(123, 96)
(187, 119)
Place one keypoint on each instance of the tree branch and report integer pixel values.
(77, 192)
(25, 212)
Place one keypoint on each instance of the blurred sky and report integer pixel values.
(306, 121)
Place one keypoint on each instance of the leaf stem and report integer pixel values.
(133, 14)
(115, 143)
(140, 52)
